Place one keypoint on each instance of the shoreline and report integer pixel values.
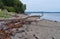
(49, 16)
(42, 29)
(39, 29)
(26, 15)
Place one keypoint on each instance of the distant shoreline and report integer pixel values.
(42, 12)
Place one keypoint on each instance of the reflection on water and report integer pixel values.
(50, 16)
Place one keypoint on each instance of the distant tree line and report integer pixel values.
(12, 6)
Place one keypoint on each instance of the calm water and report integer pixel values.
(50, 16)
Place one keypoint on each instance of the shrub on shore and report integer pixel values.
(5, 14)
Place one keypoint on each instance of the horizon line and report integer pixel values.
(40, 12)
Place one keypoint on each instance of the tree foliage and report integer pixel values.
(12, 5)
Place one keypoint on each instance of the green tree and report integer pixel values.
(13, 5)
(1, 5)
(10, 9)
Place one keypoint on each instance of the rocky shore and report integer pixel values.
(41, 29)
(44, 29)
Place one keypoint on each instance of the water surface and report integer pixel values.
(50, 16)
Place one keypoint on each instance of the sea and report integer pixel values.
(49, 16)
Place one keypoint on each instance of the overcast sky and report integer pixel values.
(42, 5)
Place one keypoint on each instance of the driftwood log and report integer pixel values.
(15, 19)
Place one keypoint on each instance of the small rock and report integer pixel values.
(35, 36)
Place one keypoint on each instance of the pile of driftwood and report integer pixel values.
(6, 31)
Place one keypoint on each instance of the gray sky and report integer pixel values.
(42, 5)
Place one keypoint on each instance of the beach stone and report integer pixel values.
(45, 29)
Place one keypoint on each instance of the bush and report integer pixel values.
(4, 14)
(10, 9)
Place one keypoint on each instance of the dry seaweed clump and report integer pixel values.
(4, 34)
(6, 30)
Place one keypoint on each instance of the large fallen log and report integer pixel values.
(14, 19)
(14, 25)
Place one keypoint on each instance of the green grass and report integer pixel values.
(5, 14)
